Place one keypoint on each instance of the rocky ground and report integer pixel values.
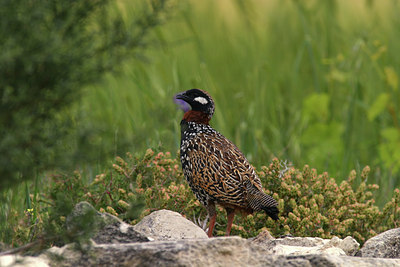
(165, 238)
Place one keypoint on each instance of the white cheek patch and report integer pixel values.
(201, 100)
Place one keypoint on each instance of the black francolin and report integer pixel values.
(216, 170)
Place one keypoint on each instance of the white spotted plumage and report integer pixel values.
(215, 169)
(215, 165)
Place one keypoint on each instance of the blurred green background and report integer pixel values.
(311, 82)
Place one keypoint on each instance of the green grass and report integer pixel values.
(314, 83)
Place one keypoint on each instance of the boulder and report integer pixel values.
(179, 242)
(104, 228)
(168, 225)
(228, 251)
(119, 232)
(23, 261)
(349, 245)
(262, 238)
(384, 245)
(83, 210)
(307, 245)
(218, 251)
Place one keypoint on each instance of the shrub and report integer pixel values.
(49, 51)
(311, 204)
(314, 204)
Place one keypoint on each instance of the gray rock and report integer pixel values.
(168, 225)
(119, 244)
(219, 251)
(263, 237)
(23, 261)
(345, 261)
(233, 251)
(300, 241)
(104, 227)
(119, 232)
(384, 245)
(349, 245)
(84, 209)
(306, 245)
(298, 250)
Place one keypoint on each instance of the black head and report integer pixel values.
(199, 100)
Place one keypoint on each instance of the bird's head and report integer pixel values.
(200, 102)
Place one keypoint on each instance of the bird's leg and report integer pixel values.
(231, 214)
(211, 225)
(213, 216)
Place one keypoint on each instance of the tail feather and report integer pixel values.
(261, 201)
(272, 212)
(258, 201)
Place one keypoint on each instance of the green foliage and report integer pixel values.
(315, 205)
(311, 204)
(55, 231)
(306, 81)
(314, 82)
(389, 148)
(49, 51)
(378, 106)
(321, 133)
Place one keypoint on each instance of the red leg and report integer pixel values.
(212, 214)
(211, 225)
(231, 215)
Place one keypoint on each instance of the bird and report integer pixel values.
(217, 172)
